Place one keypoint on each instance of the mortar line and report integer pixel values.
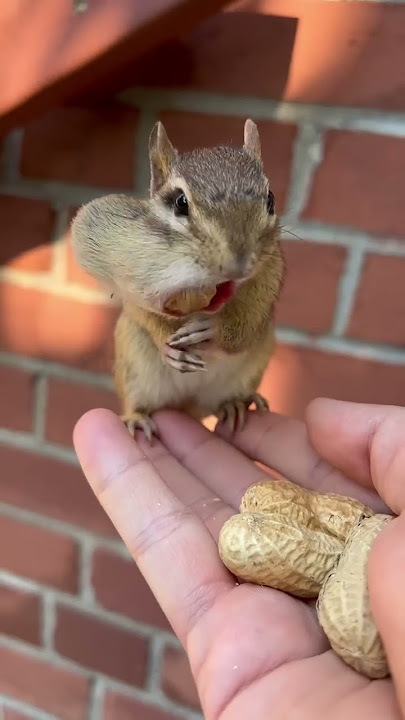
(24, 708)
(158, 701)
(78, 604)
(29, 442)
(384, 354)
(347, 288)
(153, 674)
(308, 153)
(86, 550)
(48, 619)
(137, 693)
(381, 122)
(40, 403)
(59, 194)
(96, 699)
(60, 527)
(56, 370)
(49, 283)
(342, 236)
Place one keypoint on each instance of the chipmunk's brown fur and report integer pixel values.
(208, 221)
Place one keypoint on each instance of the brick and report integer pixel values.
(359, 182)
(176, 678)
(44, 685)
(16, 398)
(26, 230)
(333, 53)
(297, 375)
(309, 295)
(41, 555)
(119, 587)
(101, 646)
(55, 328)
(89, 146)
(189, 130)
(379, 306)
(121, 707)
(51, 488)
(20, 614)
(75, 399)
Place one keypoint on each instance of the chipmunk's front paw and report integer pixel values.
(140, 421)
(196, 332)
(181, 360)
(233, 412)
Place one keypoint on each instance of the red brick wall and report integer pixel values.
(81, 636)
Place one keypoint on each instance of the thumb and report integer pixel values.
(386, 579)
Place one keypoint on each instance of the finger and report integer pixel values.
(282, 444)
(365, 441)
(187, 487)
(387, 591)
(162, 534)
(341, 432)
(225, 470)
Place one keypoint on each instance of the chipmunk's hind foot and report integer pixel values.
(233, 412)
(141, 421)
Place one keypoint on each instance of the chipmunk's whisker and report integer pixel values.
(284, 229)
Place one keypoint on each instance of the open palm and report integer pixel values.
(255, 652)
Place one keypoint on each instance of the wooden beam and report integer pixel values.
(49, 53)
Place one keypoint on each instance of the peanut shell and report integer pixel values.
(285, 553)
(343, 605)
(335, 514)
(188, 301)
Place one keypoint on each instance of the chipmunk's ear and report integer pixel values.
(161, 157)
(252, 140)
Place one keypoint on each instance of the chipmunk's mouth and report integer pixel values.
(191, 301)
(225, 291)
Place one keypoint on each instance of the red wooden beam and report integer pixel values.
(50, 54)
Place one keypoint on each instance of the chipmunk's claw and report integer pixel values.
(140, 421)
(234, 411)
(181, 360)
(194, 332)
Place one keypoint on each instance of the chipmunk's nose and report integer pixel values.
(238, 268)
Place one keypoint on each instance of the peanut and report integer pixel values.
(311, 545)
(188, 301)
(280, 552)
(335, 514)
(343, 604)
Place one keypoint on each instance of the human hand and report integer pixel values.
(256, 652)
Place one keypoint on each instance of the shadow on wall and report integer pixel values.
(284, 50)
(255, 45)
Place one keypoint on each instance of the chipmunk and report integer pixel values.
(210, 222)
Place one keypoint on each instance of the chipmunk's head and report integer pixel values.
(216, 206)
(210, 222)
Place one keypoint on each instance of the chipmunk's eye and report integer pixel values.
(270, 203)
(181, 204)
